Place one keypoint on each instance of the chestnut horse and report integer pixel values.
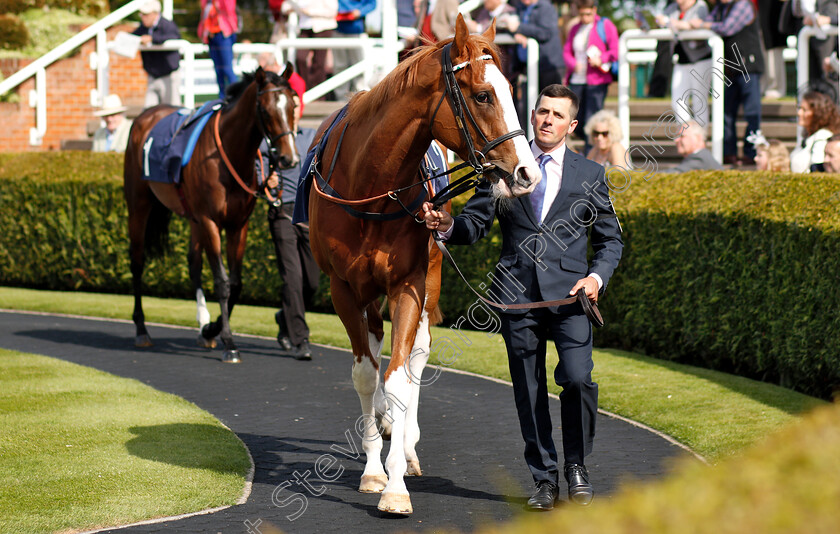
(216, 192)
(386, 132)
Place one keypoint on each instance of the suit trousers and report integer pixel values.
(297, 268)
(747, 93)
(526, 338)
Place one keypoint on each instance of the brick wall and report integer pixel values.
(69, 83)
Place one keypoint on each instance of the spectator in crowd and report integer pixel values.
(217, 28)
(691, 56)
(538, 20)
(691, 144)
(444, 13)
(772, 156)
(481, 18)
(316, 19)
(818, 14)
(832, 154)
(297, 267)
(113, 137)
(279, 30)
(164, 80)
(589, 52)
(819, 119)
(351, 24)
(736, 22)
(775, 75)
(604, 130)
(407, 22)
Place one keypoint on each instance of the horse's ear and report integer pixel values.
(461, 36)
(490, 32)
(289, 70)
(259, 76)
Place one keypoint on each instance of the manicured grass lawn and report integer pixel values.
(80, 448)
(713, 413)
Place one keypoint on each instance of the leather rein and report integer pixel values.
(265, 135)
(476, 159)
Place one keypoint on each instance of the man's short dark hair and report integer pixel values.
(556, 90)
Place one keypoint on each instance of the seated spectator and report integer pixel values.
(164, 78)
(604, 130)
(772, 156)
(691, 144)
(589, 52)
(819, 118)
(113, 137)
(832, 154)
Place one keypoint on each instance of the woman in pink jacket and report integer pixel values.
(217, 28)
(589, 52)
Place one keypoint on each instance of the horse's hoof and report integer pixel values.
(395, 503)
(373, 483)
(205, 343)
(143, 341)
(231, 356)
(413, 469)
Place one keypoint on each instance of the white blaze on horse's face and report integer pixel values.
(527, 173)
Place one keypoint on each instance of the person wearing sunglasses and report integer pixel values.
(604, 133)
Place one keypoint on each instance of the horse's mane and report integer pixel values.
(365, 104)
(234, 91)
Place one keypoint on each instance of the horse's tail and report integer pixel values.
(436, 317)
(157, 229)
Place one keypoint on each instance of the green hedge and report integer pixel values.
(732, 271)
(66, 227)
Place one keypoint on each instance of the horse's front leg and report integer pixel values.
(202, 314)
(366, 350)
(211, 242)
(415, 365)
(406, 302)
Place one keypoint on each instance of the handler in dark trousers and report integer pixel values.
(543, 257)
(297, 267)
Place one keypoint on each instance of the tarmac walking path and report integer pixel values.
(290, 413)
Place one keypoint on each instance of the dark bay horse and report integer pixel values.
(216, 193)
(453, 91)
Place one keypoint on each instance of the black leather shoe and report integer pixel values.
(303, 351)
(282, 334)
(545, 496)
(580, 490)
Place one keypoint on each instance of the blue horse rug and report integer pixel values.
(434, 162)
(171, 142)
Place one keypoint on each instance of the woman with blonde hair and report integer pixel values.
(604, 132)
(772, 156)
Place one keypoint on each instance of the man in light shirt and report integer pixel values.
(544, 257)
(113, 137)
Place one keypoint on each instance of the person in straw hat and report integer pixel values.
(113, 137)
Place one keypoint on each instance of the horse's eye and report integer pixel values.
(483, 97)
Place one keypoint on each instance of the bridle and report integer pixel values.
(462, 113)
(272, 152)
(476, 158)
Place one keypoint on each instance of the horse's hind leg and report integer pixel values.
(202, 314)
(365, 380)
(139, 207)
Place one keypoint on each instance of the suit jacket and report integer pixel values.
(702, 160)
(543, 262)
(160, 63)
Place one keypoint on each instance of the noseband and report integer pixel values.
(477, 158)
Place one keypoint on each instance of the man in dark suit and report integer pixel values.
(691, 144)
(543, 257)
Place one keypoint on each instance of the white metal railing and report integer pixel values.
(626, 56)
(803, 41)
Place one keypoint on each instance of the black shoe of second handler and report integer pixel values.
(544, 497)
(303, 351)
(580, 490)
(282, 333)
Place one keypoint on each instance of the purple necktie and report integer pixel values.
(538, 195)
